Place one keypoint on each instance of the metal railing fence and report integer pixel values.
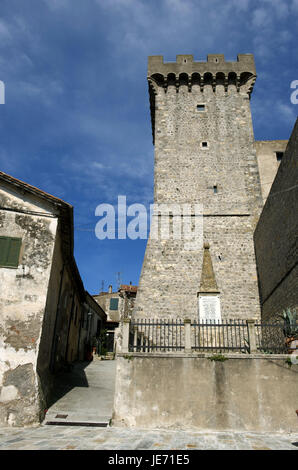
(228, 335)
(156, 335)
(174, 335)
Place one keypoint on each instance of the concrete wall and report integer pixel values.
(275, 237)
(186, 173)
(268, 163)
(244, 393)
(23, 295)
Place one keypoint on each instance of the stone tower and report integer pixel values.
(204, 154)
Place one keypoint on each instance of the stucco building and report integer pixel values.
(117, 305)
(43, 302)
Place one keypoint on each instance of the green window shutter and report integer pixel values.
(14, 252)
(114, 304)
(4, 248)
(10, 251)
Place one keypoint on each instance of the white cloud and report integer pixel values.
(98, 166)
(285, 36)
(287, 111)
(260, 18)
(180, 6)
(45, 91)
(57, 4)
(280, 7)
(5, 34)
(114, 4)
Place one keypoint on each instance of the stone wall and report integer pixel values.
(186, 172)
(268, 163)
(243, 393)
(276, 242)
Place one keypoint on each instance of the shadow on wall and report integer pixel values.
(65, 381)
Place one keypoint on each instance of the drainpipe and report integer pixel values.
(69, 326)
(82, 308)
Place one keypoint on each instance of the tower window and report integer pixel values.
(204, 145)
(279, 156)
(215, 189)
(200, 107)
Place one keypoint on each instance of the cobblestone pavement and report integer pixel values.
(47, 437)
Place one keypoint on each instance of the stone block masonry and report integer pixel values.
(204, 154)
(276, 240)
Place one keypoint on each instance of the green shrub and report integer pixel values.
(218, 357)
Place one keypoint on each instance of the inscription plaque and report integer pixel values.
(209, 308)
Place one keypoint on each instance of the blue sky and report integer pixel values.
(76, 122)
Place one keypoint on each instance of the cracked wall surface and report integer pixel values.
(243, 393)
(23, 294)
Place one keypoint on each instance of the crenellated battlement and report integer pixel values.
(215, 63)
(215, 71)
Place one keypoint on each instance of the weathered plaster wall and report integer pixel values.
(23, 293)
(241, 394)
(67, 315)
(44, 363)
(268, 163)
(276, 240)
(127, 306)
(61, 324)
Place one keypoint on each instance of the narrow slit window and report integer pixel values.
(215, 189)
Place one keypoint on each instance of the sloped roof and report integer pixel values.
(66, 225)
(129, 288)
(32, 189)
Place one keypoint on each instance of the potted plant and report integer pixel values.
(103, 343)
(291, 329)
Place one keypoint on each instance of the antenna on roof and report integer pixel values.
(118, 280)
(102, 285)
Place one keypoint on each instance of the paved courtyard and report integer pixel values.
(57, 437)
(86, 395)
